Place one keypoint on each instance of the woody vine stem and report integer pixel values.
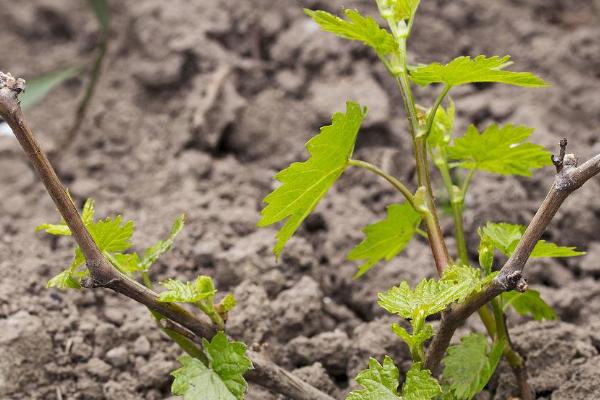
(103, 274)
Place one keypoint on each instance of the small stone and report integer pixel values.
(98, 368)
(80, 350)
(117, 356)
(114, 315)
(141, 346)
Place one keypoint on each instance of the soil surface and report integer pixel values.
(198, 105)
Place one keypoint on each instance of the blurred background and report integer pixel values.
(157, 108)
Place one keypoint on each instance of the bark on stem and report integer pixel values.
(569, 178)
(103, 274)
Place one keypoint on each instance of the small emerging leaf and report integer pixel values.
(420, 385)
(506, 237)
(64, 280)
(379, 382)
(188, 292)
(529, 303)
(443, 126)
(413, 341)
(355, 27)
(499, 150)
(464, 70)
(402, 9)
(304, 184)
(387, 238)
(469, 365)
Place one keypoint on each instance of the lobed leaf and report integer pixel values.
(431, 296)
(221, 380)
(304, 184)
(64, 280)
(469, 365)
(529, 303)
(379, 382)
(506, 237)
(413, 340)
(356, 27)
(402, 9)
(463, 70)
(499, 150)
(228, 359)
(387, 238)
(420, 385)
(188, 292)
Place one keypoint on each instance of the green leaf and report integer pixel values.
(486, 253)
(102, 12)
(188, 292)
(126, 263)
(386, 238)
(54, 229)
(112, 234)
(38, 88)
(402, 9)
(529, 303)
(221, 380)
(228, 359)
(87, 216)
(500, 150)
(443, 126)
(431, 296)
(420, 385)
(162, 246)
(506, 237)
(64, 280)
(356, 27)
(196, 381)
(464, 70)
(304, 184)
(413, 340)
(469, 365)
(379, 382)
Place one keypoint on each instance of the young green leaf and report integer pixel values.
(420, 385)
(469, 365)
(38, 88)
(162, 246)
(356, 27)
(413, 340)
(64, 280)
(126, 263)
(402, 9)
(431, 296)
(112, 234)
(227, 304)
(188, 292)
(443, 126)
(304, 184)
(379, 382)
(229, 361)
(499, 150)
(464, 70)
(87, 215)
(529, 303)
(506, 237)
(386, 238)
(221, 380)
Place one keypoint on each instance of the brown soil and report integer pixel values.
(199, 104)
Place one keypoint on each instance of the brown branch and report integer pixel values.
(103, 274)
(569, 178)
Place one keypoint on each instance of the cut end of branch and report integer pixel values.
(16, 85)
(10, 87)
